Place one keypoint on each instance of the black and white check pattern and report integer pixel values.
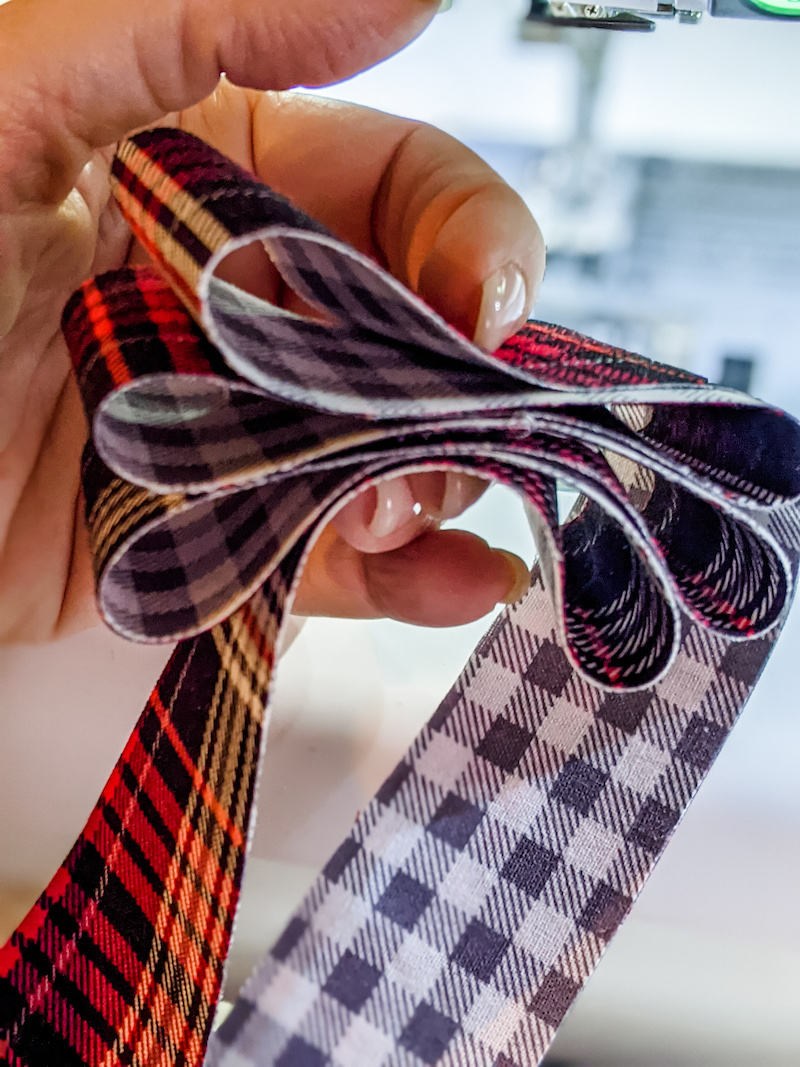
(474, 897)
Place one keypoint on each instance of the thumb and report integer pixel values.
(76, 75)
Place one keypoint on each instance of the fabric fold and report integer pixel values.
(476, 893)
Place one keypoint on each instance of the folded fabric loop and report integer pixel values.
(475, 894)
(618, 619)
(752, 453)
(255, 440)
(728, 573)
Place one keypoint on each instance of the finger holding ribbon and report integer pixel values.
(446, 225)
(75, 78)
(242, 394)
(287, 410)
(227, 430)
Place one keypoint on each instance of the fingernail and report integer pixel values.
(459, 492)
(442, 495)
(519, 577)
(504, 306)
(428, 490)
(394, 506)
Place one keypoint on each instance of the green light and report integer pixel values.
(778, 7)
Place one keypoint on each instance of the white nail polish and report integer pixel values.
(394, 506)
(504, 305)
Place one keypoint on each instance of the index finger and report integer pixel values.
(434, 213)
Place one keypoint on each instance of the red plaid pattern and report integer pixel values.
(120, 961)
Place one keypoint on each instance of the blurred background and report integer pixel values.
(664, 170)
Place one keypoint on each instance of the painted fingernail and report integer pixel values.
(504, 306)
(460, 490)
(394, 507)
(519, 577)
(442, 495)
(428, 490)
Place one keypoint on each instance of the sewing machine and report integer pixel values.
(642, 15)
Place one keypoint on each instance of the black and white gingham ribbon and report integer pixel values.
(475, 895)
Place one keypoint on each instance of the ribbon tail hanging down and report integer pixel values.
(474, 896)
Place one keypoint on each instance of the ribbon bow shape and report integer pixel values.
(226, 433)
(256, 442)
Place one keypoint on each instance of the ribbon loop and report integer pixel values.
(476, 892)
(245, 445)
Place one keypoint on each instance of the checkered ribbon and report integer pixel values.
(474, 896)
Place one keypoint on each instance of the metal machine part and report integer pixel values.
(642, 15)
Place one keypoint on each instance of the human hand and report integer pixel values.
(74, 77)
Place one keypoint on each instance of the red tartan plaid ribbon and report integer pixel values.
(208, 483)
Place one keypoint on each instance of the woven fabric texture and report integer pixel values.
(458, 921)
(473, 898)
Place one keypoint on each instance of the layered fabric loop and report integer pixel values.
(476, 892)
(253, 474)
(265, 432)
